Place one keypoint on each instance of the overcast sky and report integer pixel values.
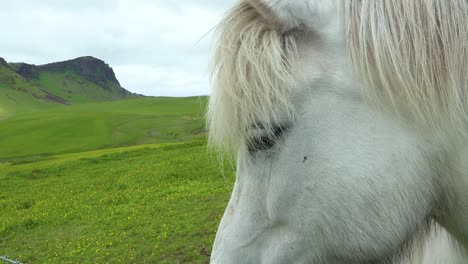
(156, 47)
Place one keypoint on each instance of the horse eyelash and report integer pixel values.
(266, 140)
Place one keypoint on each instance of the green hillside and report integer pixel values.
(83, 127)
(152, 204)
(84, 79)
(18, 95)
(26, 88)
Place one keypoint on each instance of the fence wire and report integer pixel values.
(7, 260)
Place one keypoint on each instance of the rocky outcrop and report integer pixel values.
(92, 69)
(3, 62)
(28, 71)
(80, 70)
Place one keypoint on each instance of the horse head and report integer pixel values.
(345, 121)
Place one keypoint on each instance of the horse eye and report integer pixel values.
(262, 140)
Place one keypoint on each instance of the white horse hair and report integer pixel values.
(348, 119)
(413, 54)
(252, 76)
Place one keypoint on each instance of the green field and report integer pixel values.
(148, 204)
(125, 181)
(83, 127)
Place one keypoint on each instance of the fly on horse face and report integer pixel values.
(349, 125)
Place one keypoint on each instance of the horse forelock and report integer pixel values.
(412, 56)
(251, 77)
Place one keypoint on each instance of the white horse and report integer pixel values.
(347, 119)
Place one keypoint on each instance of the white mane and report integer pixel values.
(251, 76)
(411, 57)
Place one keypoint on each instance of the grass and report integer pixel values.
(73, 88)
(141, 204)
(84, 127)
(125, 181)
(18, 96)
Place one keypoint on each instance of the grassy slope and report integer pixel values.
(91, 126)
(73, 88)
(17, 95)
(137, 205)
(49, 89)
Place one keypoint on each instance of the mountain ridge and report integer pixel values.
(3, 62)
(79, 80)
(86, 66)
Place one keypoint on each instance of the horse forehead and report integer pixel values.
(318, 15)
